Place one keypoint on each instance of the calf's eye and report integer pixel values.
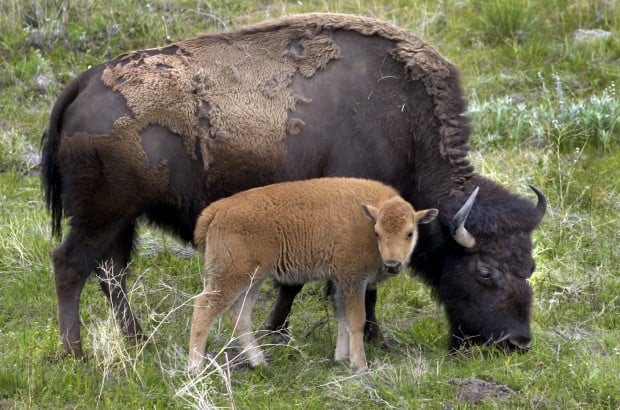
(409, 235)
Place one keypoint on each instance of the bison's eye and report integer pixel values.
(483, 275)
(409, 236)
(376, 235)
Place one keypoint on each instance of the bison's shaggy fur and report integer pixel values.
(297, 232)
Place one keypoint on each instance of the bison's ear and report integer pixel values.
(426, 216)
(370, 211)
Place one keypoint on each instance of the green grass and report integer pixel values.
(545, 111)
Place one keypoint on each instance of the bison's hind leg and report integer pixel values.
(74, 260)
(112, 275)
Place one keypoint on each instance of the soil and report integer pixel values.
(476, 390)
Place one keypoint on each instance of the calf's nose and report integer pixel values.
(393, 266)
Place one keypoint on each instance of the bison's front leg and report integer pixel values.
(371, 327)
(278, 318)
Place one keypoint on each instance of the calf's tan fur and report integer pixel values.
(353, 232)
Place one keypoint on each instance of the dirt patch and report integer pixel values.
(476, 390)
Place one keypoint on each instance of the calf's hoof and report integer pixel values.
(195, 368)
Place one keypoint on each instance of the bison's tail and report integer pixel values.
(51, 177)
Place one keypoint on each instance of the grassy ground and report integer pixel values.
(545, 111)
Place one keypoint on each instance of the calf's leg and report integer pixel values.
(355, 318)
(350, 314)
(240, 316)
(207, 307)
(342, 340)
(222, 291)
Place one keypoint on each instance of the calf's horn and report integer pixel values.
(541, 205)
(457, 226)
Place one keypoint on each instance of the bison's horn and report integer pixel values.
(457, 226)
(541, 206)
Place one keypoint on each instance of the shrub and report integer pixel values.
(553, 119)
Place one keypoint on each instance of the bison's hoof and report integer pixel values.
(372, 332)
(280, 334)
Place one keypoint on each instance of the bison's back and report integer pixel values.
(164, 131)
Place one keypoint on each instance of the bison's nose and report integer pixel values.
(521, 342)
(393, 266)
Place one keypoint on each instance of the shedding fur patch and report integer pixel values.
(160, 89)
(423, 62)
(230, 95)
(230, 91)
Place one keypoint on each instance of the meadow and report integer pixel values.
(545, 111)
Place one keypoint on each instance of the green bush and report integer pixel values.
(554, 119)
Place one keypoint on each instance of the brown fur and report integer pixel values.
(124, 149)
(297, 232)
(213, 80)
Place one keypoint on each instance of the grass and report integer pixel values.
(569, 124)
(545, 111)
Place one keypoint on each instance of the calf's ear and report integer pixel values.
(370, 211)
(425, 216)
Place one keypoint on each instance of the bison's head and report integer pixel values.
(396, 230)
(480, 265)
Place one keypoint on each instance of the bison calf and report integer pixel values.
(353, 232)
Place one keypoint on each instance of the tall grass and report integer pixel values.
(555, 120)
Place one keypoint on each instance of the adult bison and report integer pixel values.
(163, 132)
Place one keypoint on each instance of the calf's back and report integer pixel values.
(295, 228)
